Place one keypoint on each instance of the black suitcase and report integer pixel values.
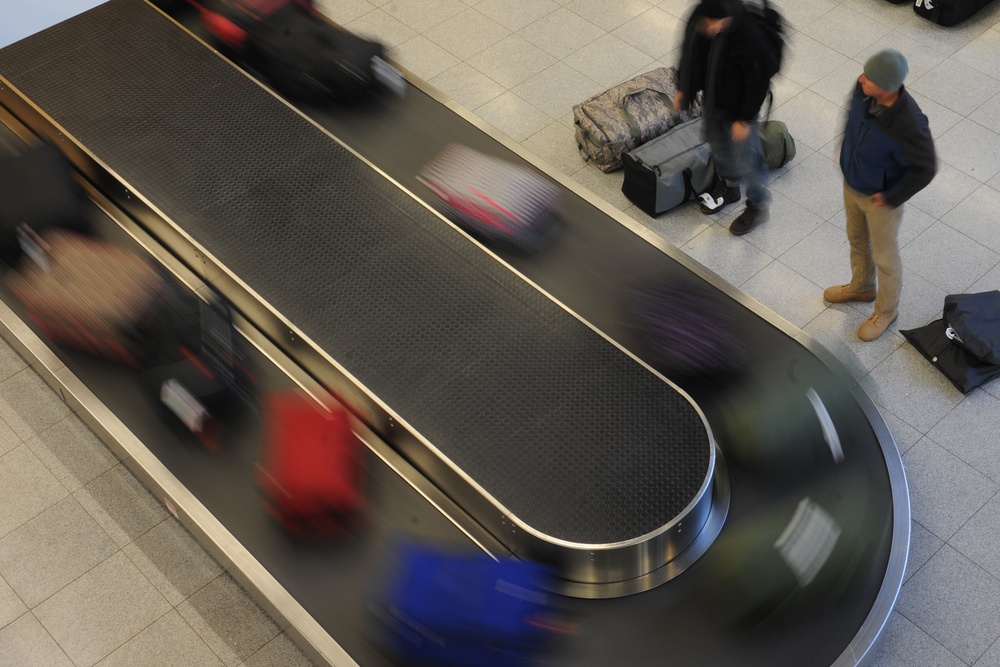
(297, 50)
(205, 378)
(37, 190)
(684, 330)
(948, 12)
(308, 59)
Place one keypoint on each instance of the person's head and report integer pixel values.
(716, 15)
(884, 74)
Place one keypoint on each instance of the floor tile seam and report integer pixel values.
(242, 591)
(972, 120)
(932, 637)
(851, 56)
(882, 409)
(96, 519)
(250, 657)
(582, 18)
(929, 558)
(975, 64)
(24, 604)
(519, 97)
(933, 280)
(995, 643)
(82, 507)
(47, 507)
(799, 28)
(222, 568)
(126, 641)
(971, 465)
(197, 634)
(80, 576)
(981, 180)
(52, 471)
(976, 511)
(46, 630)
(470, 55)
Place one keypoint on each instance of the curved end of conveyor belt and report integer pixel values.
(792, 517)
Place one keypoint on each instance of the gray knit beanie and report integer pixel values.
(887, 69)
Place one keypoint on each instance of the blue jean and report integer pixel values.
(738, 162)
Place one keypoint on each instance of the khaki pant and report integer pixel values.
(872, 232)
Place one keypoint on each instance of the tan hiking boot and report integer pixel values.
(876, 325)
(844, 293)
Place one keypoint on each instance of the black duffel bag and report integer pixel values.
(948, 12)
(965, 343)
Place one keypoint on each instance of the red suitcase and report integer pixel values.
(92, 295)
(312, 472)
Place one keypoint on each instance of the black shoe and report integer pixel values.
(722, 196)
(748, 219)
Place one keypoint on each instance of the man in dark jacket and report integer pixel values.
(725, 54)
(887, 157)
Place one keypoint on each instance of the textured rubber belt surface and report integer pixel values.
(556, 423)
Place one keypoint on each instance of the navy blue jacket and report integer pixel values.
(891, 153)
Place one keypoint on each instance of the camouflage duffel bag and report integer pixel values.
(628, 115)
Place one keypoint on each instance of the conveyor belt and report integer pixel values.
(584, 270)
(429, 324)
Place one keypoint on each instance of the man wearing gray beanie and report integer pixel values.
(887, 156)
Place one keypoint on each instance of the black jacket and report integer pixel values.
(891, 153)
(742, 79)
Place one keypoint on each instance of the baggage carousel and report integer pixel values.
(506, 406)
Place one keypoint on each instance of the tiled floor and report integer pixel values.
(94, 571)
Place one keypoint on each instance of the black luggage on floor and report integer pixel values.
(948, 12)
(37, 190)
(964, 344)
(669, 170)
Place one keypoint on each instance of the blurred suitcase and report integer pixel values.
(669, 170)
(628, 115)
(948, 12)
(37, 189)
(208, 379)
(464, 609)
(89, 294)
(684, 330)
(297, 50)
(308, 59)
(312, 473)
(504, 204)
(233, 21)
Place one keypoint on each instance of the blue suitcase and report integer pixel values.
(450, 609)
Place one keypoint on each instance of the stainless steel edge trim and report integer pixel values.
(182, 503)
(859, 652)
(719, 510)
(214, 270)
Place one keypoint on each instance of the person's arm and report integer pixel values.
(917, 147)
